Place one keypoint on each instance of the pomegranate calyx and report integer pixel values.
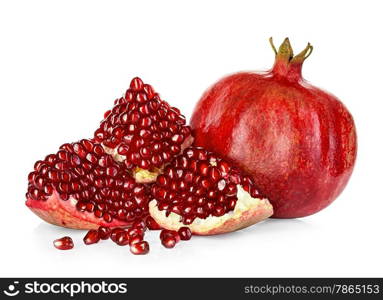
(287, 65)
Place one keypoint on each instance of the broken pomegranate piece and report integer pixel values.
(203, 192)
(143, 131)
(82, 187)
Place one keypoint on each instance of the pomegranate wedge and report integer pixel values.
(82, 187)
(200, 190)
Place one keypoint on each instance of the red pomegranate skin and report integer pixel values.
(296, 140)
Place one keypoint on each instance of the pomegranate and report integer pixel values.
(82, 187)
(64, 243)
(202, 191)
(143, 131)
(297, 141)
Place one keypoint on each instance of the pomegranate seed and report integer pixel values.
(169, 242)
(169, 233)
(185, 233)
(135, 231)
(64, 243)
(104, 232)
(152, 224)
(122, 238)
(140, 248)
(91, 237)
(139, 224)
(135, 239)
(114, 232)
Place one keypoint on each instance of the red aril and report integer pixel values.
(207, 194)
(135, 239)
(169, 233)
(64, 243)
(115, 232)
(297, 141)
(122, 238)
(92, 237)
(151, 224)
(185, 233)
(139, 248)
(104, 232)
(169, 242)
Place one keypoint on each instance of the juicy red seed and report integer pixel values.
(136, 84)
(64, 243)
(114, 232)
(169, 242)
(122, 238)
(152, 224)
(169, 233)
(218, 211)
(185, 233)
(140, 248)
(91, 237)
(139, 224)
(104, 232)
(135, 231)
(135, 239)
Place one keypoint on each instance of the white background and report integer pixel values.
(62, 63)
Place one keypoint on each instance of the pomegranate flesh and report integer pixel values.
(297, 141)
(82, 187)
(143, 131)
(205, 193)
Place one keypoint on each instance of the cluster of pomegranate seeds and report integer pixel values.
(200, 184)
(83, 171)
(132, 236)
(144, 131)
(169, 238)
(64, 243)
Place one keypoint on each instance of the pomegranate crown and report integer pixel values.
(287, 65)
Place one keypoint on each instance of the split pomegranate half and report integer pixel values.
(202, 191)
(143, 131)
(82, 187)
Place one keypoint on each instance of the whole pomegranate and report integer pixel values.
(297, 141)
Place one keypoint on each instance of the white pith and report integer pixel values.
(244, 203)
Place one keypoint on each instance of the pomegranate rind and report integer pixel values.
(248, 211)
(65, 214)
